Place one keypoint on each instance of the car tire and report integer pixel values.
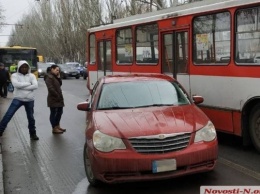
(254, 126)
(85, 75)
(63, 76)
(77, 77)
(88, 169)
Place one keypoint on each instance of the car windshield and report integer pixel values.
(141, 94)
(64, 66)
(73, 64)
(43, 65)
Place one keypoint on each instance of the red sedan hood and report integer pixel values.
(149, 121)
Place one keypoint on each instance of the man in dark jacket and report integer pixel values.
(4, 80)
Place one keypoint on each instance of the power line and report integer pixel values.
(4, 24)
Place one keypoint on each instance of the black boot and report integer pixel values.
(34, 137)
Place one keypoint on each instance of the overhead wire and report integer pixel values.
(9, 17)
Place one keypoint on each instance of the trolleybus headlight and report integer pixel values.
(107, 143)
(207, 133)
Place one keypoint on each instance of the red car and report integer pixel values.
(145, 127)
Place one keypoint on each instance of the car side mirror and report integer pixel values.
(84, 106)
(197, 99)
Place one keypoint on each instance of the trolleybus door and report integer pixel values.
(104, 58)
(175, 56)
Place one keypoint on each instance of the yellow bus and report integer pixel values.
(40, 58)
(10, 55)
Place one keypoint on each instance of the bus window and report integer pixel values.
(212, 39)
(101, 56)
(147, 44)
(248, 36)
(175, 52)
(124, 46)
(167, 59)
(104, 56)
(182, 52)
(92, 49)
(11, 55)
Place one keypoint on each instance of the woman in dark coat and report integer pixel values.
(55, 98)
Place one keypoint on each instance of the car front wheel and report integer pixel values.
(63, 76)
(254, 126)
(89, 173)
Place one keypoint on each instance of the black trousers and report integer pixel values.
(55, 116)
(3, 89)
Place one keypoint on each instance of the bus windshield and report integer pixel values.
(10, 56)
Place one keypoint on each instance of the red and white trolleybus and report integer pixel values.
(211, 47)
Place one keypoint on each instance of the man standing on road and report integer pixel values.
(4, 79)
(24, 83)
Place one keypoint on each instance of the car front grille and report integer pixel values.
(157, 144)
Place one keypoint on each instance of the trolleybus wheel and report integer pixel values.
(254, 126)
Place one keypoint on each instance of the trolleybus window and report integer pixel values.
(212, 39)
(124, 46)
(182, 52)
(92, 49)
(104, 56)
(175, 56)
(147, 44)
(167, 59)
(248, 36)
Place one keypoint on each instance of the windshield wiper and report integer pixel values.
(114, 108)
(144, 106)
(151, 105)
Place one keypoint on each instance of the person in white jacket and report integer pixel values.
(24, 83)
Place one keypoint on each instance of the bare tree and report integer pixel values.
(2, 18)
(58, 28)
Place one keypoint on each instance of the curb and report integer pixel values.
(1, 170)
(2, 105)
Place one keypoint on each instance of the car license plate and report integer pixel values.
(164, 165)
(73, 73)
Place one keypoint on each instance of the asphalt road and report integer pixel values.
(54, 164)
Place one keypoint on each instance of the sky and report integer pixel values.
(13, 11)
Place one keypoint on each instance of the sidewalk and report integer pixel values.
(2, 106)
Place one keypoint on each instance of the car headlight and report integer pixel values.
(107, 143)
(207, 133)
(65, 71)
(39, 70)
